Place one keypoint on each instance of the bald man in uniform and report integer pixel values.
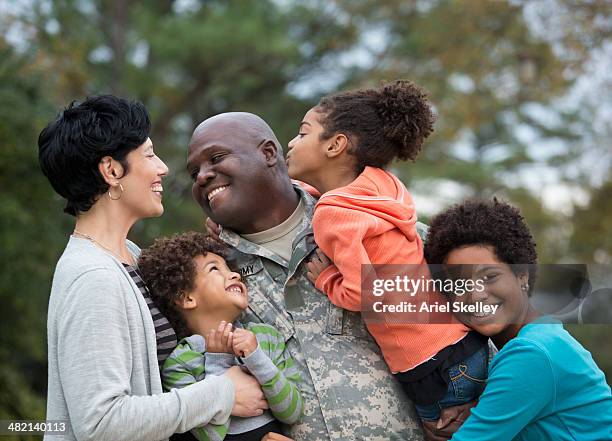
(240, 180)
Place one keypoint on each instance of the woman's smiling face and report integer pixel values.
(142, 184)
(502, 287)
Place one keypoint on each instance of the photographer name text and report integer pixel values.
(441, 307)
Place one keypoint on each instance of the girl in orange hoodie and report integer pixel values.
(365, 215)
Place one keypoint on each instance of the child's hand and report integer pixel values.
(220, 339)
(245, 342)
(316, 265)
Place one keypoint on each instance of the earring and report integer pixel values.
(525, 287)
(120, 193)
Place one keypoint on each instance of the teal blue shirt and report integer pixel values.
(543, 385)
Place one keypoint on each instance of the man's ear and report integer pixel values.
(186, 301)
(337, 145)
(111, 170)
(270, 151)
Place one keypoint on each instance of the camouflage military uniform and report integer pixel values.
(348, 391)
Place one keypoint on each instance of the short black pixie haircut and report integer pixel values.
(484, 222)
(71, 146)
(168, 269)
(384, 123)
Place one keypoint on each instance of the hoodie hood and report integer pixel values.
(380, 194)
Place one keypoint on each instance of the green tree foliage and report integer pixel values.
(486, 72)
(592, 237)
(31, 237)
(186, 63)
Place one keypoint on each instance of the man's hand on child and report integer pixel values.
(245, 343)
(317, 264)
(220, 339)
(451, 418)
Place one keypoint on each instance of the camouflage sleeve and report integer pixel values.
(183, 367)
(277, 374)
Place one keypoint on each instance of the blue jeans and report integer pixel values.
(467, 381)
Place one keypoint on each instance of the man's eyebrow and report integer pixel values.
(305, 123)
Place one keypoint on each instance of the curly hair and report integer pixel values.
(482, 222)
(167, 268)
(382, 124)
(71, 146)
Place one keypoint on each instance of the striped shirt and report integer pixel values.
(164, 333)
(270, 364)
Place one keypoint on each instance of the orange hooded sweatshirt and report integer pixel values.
(372, 221)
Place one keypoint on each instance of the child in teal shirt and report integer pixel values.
(542, 385)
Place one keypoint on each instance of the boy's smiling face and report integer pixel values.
(217, 290)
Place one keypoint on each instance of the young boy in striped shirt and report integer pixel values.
(202, 298)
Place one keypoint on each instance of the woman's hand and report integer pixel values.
(451, 418)
(245, 343)
(271, 436)
(249, 399)
(317, 264)
(220, 339)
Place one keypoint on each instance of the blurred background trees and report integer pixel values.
(522, 91)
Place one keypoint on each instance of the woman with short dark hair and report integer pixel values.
(106, 338)
(542, 383)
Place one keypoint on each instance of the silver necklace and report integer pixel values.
(95, 242)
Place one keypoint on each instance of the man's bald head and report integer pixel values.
(232, 123)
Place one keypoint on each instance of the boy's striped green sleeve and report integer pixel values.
(275, 370)
(183, 367)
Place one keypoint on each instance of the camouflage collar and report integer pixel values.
(236, 241)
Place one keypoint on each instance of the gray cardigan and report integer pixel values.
(103, 372)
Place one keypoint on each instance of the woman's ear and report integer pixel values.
(110, 170)
(524, 281)
(186, 301)
(270, 151)
(337, 145)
